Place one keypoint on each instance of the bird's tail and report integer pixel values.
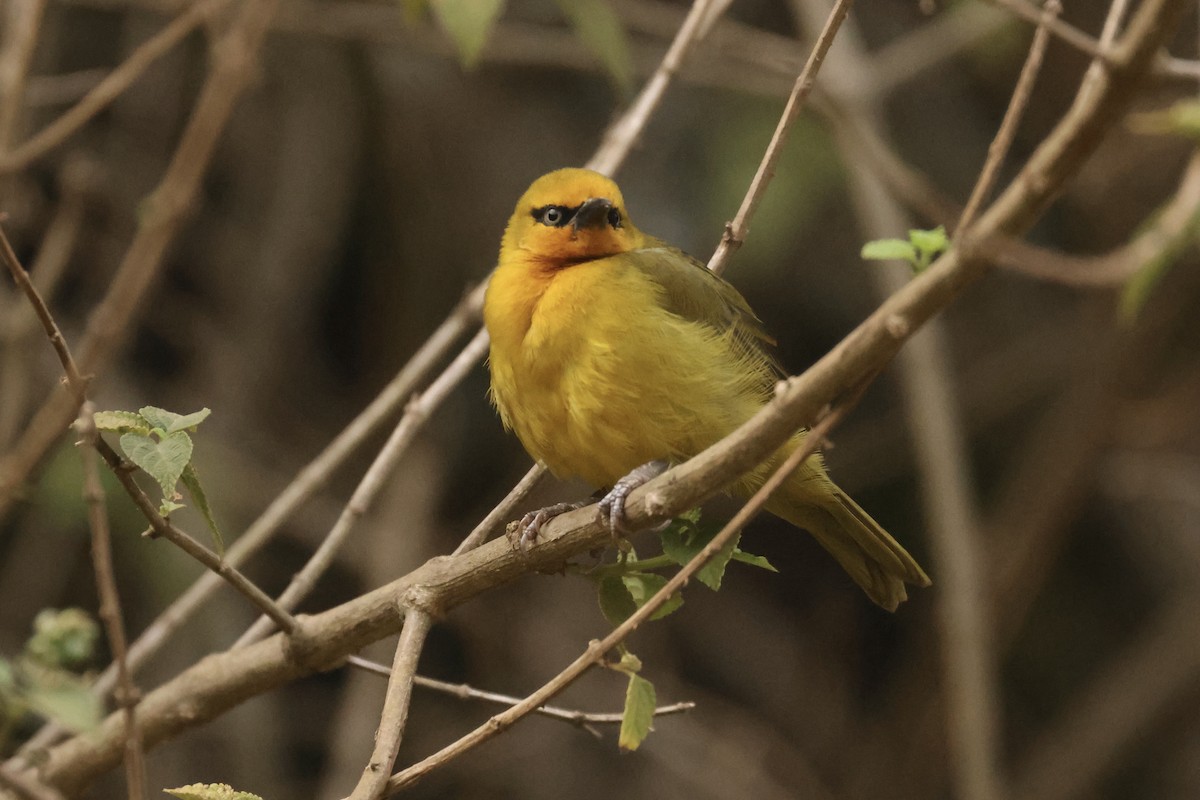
(867, 552)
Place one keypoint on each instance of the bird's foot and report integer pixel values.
(526, 532)
(611, 509)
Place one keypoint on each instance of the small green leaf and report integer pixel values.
(637, 721)
(712, 573)
(192, 481)
(682, 541)
(189, 421)
(929, 242)
(121, 422)
(164, 459)
(210, 791)
(467, 23)
(753, 560)
(644, 585)
(889, 250)
(600, 30)
(616, 603)
(629, 663)
(168, 507)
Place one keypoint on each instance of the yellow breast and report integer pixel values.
(596, 377)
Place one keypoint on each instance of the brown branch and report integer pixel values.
(622, 135)
(21, 277)
(735, 231)
(27, 785)
(21, 24)
(503, 511)
(395, 706)
(998, 149)
(466, 692)
(223, 681)
(161, 526)
(109, 89)
(373, 481)
(110, 601)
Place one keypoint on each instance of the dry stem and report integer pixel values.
(110, 601)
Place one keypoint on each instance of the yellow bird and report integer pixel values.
(614, 355)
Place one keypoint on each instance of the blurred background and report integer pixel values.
(360, 189)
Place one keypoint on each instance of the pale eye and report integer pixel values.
(554, 216)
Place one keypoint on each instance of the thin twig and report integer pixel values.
(74, 379)
(735, 231)
(27, 785)
(110, 601)
(21, 24)
(1068, 33)
(395, 706)
(597, 649)
(163, 527)
(1003, 140)
(622, 134)
(373, 481)
(109, 89)
(465, 691)
(503, 511)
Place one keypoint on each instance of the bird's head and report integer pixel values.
(569, 216)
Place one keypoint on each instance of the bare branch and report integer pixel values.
(735, 231)
(1003, 140)
(395, 706)
(373, 481)
(110, 601)
(27, 785)
(503, 510)
(622, 134)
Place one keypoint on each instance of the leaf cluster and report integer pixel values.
(156, 440)
(630, 583)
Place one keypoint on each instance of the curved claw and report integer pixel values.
(530, 526)
(611, 508)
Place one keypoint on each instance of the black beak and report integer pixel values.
(592, 214)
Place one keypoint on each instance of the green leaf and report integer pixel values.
(189, 421)
(929, 242)
(889, 250)
(638, 718)
(753, 560)
(170, 422)
(644, 585)
(467, 23)
(192, 481)
(121, 422)
(163, 459)
(210, 791)
(63, 698)
(616, 603)
(600, 30)
(168, 507)
(682, 542)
